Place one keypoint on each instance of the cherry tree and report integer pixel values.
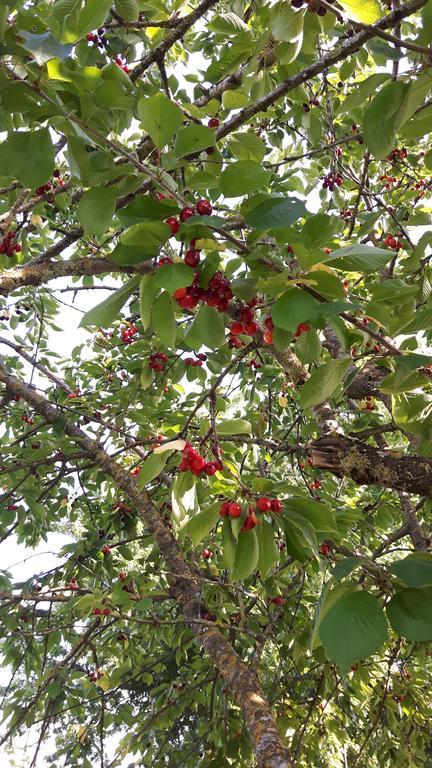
(238, 195)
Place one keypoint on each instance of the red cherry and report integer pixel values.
(204, 208)
(302, 328)
(246, 315)
(206, 553)
(236, 328)
(97, 612)
(213, 122)
(278, 600)
(209, 468)
(173, 225)
(186, 213)
(264, 504)
(17, 248)
(190, 302)
(269, 324)
(248, 524)
(325, 550)
(235, 510)
(122, 575)
(251, 328)
(276, 506)
(192, 257)
(106, 611)
(224, 509)
(268, 337)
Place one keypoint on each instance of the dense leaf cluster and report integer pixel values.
(232, 202)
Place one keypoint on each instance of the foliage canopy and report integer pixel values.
(234, 198)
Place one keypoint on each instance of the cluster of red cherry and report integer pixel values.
(389, 180)
(254, 363)
(72, 584)
(129, 333)
(47, 187)
(397, 154)
(157, 361)
(312, 103)
(218, 293)
(202, 208)
(332, 180)
(196, 463)
(198, 362)
(98, 38)
(27, 419)
(122, 64)
(393, 242)
(8, 246)
(264, 504)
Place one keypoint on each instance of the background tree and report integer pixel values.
(241, 453)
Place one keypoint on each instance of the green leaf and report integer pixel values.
(410, 614)
(323, 382)
(160, 117)
(268, 551)
(146, 207)
(96, 209)
(152, 467)
(319, 515)
(346, 566)
(362, 91)
(294, 307)
(379, 126)
(308, 347)
(286, 23)
(247, 555)
(92, 16)
(44, 47)
(163, 319)
(184, 497)
(229, 544)
(276, 213)
(202, 523)
(194, 138)
(414, 570)
(208, 326)
(147, 236)
(146, 375)
(127, 9)
(243, 177)
(109, 309)
(353, 628)
(147, 296)
(173, 276)
(414, 98)
(358, 258)
(318, 230)
(234, 427)
(367, 11)
(246, 146)
(28, 156)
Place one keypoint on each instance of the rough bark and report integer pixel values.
(367, 465)
(367, 383)
(186, 586)
(37, 274)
